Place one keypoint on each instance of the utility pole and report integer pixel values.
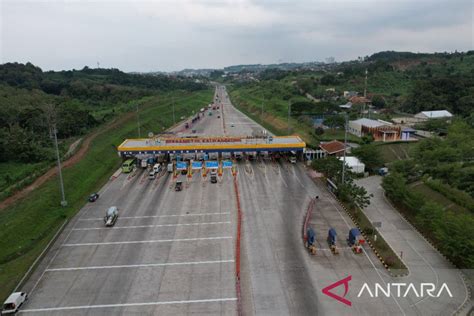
(345, 148)
(289, 114)
(61, 184)
(365, 92)
(138, 123)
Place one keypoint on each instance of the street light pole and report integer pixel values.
(61, 184)
(345, 148)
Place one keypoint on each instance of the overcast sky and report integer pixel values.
(175, 34)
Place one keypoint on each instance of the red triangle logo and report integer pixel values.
(341, 299)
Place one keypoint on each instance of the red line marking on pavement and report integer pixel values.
(237, 249)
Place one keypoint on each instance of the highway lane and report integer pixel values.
(173, 252)
(169, 252)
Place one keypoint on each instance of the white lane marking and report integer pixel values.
(147, 226)
(51, 309)
(155, 216)
(143, 241)
(140, 265)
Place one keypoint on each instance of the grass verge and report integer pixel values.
(383, 249)
(28, 225)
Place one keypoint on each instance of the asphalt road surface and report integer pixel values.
(173, 253)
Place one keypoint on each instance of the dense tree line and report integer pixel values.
(447, 166)
(31, 101)
(456, 94)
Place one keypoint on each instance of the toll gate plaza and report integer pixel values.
(208, 145)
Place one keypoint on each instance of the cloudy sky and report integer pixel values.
(175, 34)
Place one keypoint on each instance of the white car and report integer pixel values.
(14, 302)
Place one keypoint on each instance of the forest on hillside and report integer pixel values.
(32, 101)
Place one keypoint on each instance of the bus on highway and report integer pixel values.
(127, 165)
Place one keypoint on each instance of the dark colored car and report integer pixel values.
(178, 186)
(93, 197)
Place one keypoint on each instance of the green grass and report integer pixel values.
(382, 247)
(434, 196)
(395, 151)
(29, 224)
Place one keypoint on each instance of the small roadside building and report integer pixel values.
(428, 115)
(380, 130)
(332, 148)
(408, 133)
(354, 164)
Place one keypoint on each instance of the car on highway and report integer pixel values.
(93, 197)
(13, 302)
(232, 125)
(218, 116)
(178, 186)
(152, 175)
(111, 216)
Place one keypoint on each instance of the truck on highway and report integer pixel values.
(332, 240)
(311, 240)
(169, 168)
(111, 216)
(128, 165)
(213, 176)
(355, 240)
(157, 168)
(143, 163)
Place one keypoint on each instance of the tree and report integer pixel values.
(328, 80)
(369, 155)
(378, 101)
(319, 131)
(354, 195)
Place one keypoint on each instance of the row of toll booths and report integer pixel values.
(355, 240)
(149, 161)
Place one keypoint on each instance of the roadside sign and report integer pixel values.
(181, 165)
(212, 164)
(196, 165)
(377, 224)
(227, 164)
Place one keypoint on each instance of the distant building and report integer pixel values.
(354, 164)
(380, 130)
(333, 148)
(426, 115)
(331, 90)
(347, 106)
(350, 94)
(360, 100)
(408, 133)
